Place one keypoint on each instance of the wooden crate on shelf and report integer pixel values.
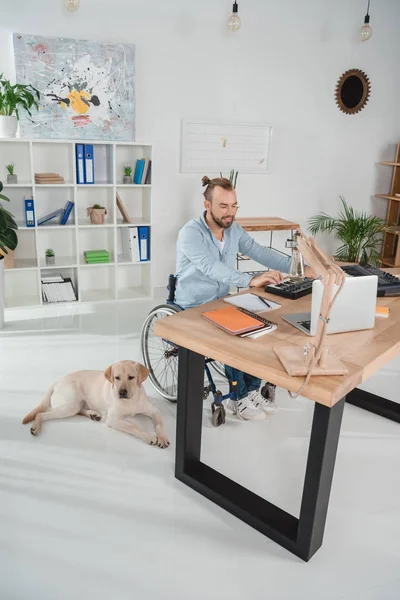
(391, 245)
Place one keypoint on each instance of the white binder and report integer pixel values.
(130, 243)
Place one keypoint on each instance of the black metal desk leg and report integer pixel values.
(318, 480)
(189, 412)
(375, 404)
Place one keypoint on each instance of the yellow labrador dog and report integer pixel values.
(110, 396)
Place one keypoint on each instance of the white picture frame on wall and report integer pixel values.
(213, 146)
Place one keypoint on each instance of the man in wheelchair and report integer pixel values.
(205, 269)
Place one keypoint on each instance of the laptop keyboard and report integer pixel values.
(305, 324)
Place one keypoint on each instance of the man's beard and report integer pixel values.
(225, 222)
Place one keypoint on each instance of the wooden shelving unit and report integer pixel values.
(121, 278)
(391, 244)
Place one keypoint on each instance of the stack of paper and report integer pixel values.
(56, 288)
(252, 302)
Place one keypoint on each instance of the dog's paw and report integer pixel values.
(160, 441)
(35, 429)
(94, 415)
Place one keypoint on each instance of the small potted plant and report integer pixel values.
(127, 175)
(11, 176)
(50, 257)
(12, 98)
(97, 214)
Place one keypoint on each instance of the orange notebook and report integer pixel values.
(232, 320)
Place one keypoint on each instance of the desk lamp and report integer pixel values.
(315, 358)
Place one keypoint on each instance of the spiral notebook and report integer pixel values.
(238, 321)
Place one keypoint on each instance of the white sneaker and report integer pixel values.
(267, 402)
(246, 409)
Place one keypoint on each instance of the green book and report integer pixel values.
(96, 253)
(92, 261)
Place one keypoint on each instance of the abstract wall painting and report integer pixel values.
(87, 88)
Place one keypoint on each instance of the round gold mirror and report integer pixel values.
(352, 91)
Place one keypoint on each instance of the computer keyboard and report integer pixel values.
(305, 324)
(291, 288)
(388, 285)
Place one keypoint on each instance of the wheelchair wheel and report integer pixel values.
(160, 356)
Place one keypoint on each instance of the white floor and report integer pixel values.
(87, 512)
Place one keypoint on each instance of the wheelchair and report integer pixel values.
(161, 358)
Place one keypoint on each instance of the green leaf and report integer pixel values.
(9, 238)
(4, 198)
(3, 220)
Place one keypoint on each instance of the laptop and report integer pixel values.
(354, 308)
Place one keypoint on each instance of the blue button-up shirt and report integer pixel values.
(204, 272)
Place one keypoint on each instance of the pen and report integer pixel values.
(265, 302)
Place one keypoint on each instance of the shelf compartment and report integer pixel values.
(67, 273)
(87, 196)
(133, 281)
(51, 199)
(21, 288)
(54, 158)
(25, 253)
(19, 154)
(101, 238)
(127, 155)
(16, 206)
(62, 241)
(97, 285)
(137, 203)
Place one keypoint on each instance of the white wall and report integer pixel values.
(281, 68)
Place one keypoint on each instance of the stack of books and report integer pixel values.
(56, 288)
(142, 174)
(93, 257)
(48, 178)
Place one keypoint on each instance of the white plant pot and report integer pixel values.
(8, 126)
(2, 293)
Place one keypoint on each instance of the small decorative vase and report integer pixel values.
(50, 260)
(96, 215)
(8, 126)
(12, 178)
(127, 179)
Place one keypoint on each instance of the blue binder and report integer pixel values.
(50, 216)
(30, 213)
(80, 164)
(144, 243)
(89, 163)
(67, 211)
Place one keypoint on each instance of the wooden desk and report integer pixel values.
(363, 352)
(267, 224)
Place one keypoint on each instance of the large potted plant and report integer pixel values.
(360, 234)
(8, 241)
(12, 98)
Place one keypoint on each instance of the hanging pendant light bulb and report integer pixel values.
(234, 21)
(366, 31)
(72, 4)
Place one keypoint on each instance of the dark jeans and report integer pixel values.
(245, 383)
